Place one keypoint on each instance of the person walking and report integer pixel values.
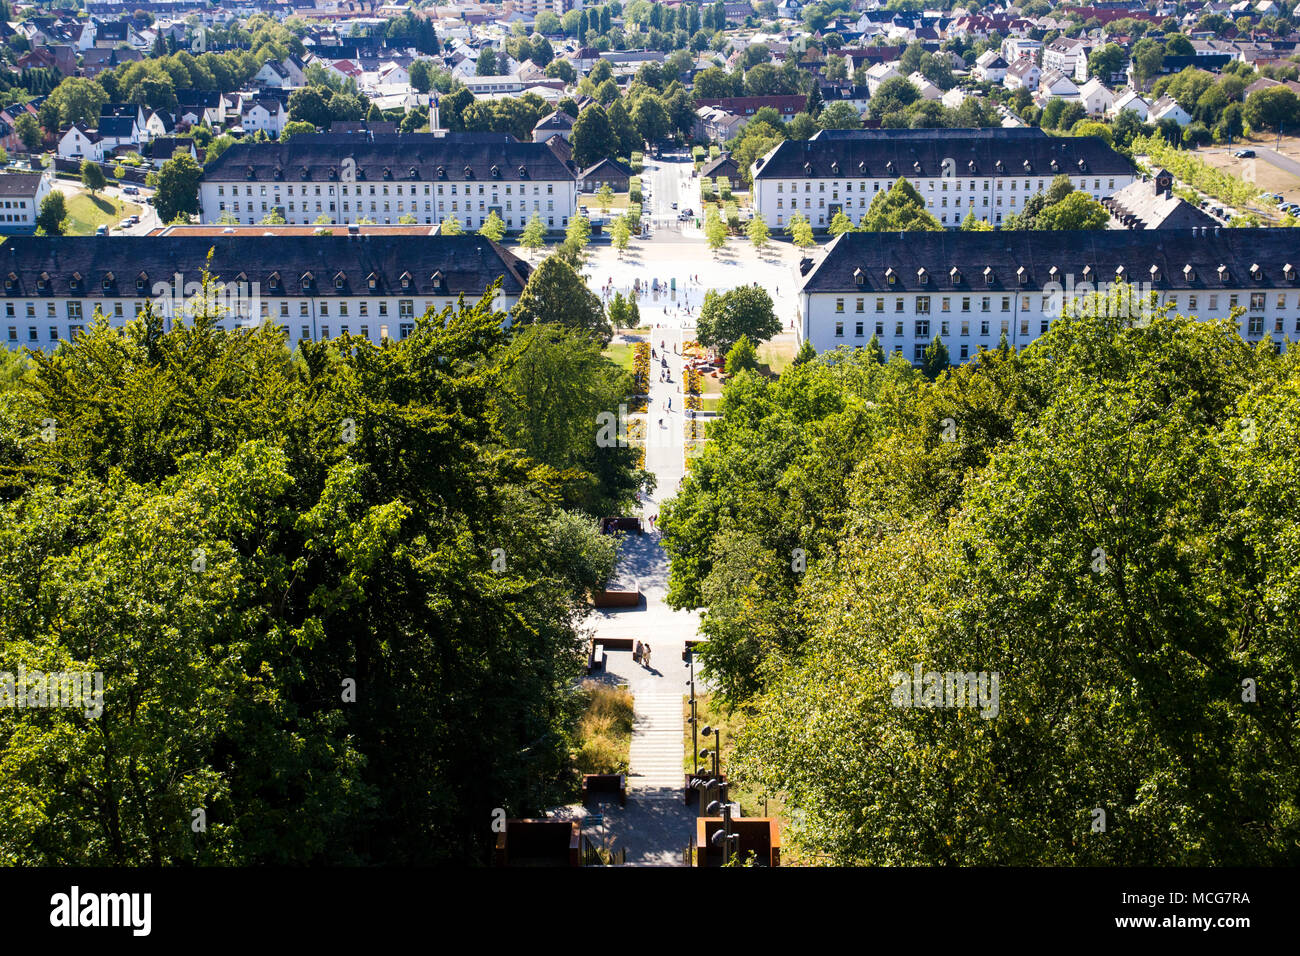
(636, 654)
(645, 657)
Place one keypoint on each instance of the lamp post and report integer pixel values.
(689, 658)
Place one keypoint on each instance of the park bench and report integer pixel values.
(597, 659)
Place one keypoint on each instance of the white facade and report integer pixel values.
(40, 323)
(947, 199)
(1096, 97)
(385, 203)
(20, 200)
(77, 145)
(969, 321)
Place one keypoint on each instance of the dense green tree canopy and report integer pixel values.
(333, 593)
(1101, 521)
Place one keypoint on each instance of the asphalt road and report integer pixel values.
(1274, 158)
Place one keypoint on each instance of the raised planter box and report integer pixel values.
(616, 599)
(604, 783)
(758, 835)
(539, 843)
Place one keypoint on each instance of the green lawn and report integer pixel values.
(86, 213)
(710, 404)
(591, 202)
(621, 354)
(777, 355)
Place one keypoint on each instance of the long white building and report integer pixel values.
(990, 172)
(385, 178)
(311, 287)
(971, 288)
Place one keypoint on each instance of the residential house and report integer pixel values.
(20, 201)
(79, 142)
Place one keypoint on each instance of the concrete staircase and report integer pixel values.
(656, 754)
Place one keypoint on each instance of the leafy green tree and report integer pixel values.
(593, 137)
(715, 230)
(1078, 210)
(52, 219)
(605, 196)
(840, 223)
(745, 311)
(741, 356)
(620, 234)
(800, 230)
(971, 224)
(295, 128)
(758, 233)
(451, 226)
(176, 188)
(273, 531)
(29, 131)
(899, 209)
(1272, 108)
(92, 176)
(493, 228)
(839, 115)
(556, 293)
(935, 359)
(534, 234)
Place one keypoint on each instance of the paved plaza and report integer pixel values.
(674, 268)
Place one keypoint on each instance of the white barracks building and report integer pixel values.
(386, 178)
(971, 288)
(990, 172)
(310, 287)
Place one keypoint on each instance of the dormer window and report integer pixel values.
(442, 172)
(835, 167)
(523, 172)
(1022, 275)
(304, 173)
(279, 173)
(108, 282)
(11, 282)
(1256, 272)
(999, 165)
(807, 168)
(1087, 273)
(955, 275)
(469, 173)
(1053, 272)
(340, 280)
(1288, 271)
(43, 282)
(922, 276)
(859, 277)
(890, 276)
(1223, 273)
(439, 285)
(333, 175)
(250, 173)
(1119, 273)
(1189, 273)
(889, 165)
(273, 282)
(1083, 165)
(496, 171)
(971, 165)
(917, 166)
(372, 280)
(1028, 167)
(862, 167)
(406, 280)
(141, 282)
(74, 281)
(307, 280)
(1054, 164)
(1155, 273)
(988, 275)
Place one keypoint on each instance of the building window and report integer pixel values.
(839, 330)
(922, 305)
(839, 305)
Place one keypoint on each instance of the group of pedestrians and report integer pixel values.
(642, 655)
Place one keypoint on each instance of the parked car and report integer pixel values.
(101, 230)
(131, 190)
(1278, 197)
(133, 220)
(674, 205)
(1244, 154)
